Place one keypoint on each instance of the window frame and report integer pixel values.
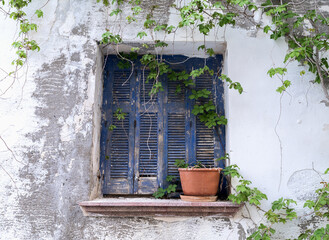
(219, 100)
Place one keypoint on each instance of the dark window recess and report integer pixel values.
(140, 151)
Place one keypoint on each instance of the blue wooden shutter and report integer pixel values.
(186, 137)
(175, 125)
(205, 137)
(148, 131)
(117, 159)
(210, 142)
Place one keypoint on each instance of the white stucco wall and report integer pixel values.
(47, 121)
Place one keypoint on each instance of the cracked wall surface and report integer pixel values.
(49, 121)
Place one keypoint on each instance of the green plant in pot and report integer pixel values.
(198, 182)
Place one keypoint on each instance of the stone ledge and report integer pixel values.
(144, 207)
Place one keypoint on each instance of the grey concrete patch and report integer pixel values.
(75, 57)
(80, 30)
(303, 184)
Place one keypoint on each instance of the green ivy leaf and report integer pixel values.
(160, 193)
(115, 12)
(112, 127)
(180, 163)
(171, 188)
(39, 13)
(170, 178)
(267, 29)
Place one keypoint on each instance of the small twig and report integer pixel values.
(280, 142)
(44, 4)
(8, 148)
(320, 74)
(24, 83)
(131, 62)
(4, 11)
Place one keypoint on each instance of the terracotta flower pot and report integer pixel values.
(199, 181)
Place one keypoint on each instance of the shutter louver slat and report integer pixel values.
(121, 86)
(176, 141)
(204, 81)
(148, 145)
(204, 144)
(119, 149)
(173, 95)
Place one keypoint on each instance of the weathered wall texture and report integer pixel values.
(47, 121)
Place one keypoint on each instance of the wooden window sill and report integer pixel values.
(147, 207)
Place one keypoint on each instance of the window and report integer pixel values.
(139, 150)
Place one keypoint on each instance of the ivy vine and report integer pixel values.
(282, 210)
(23, 43)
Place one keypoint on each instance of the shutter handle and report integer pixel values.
(134, 123)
